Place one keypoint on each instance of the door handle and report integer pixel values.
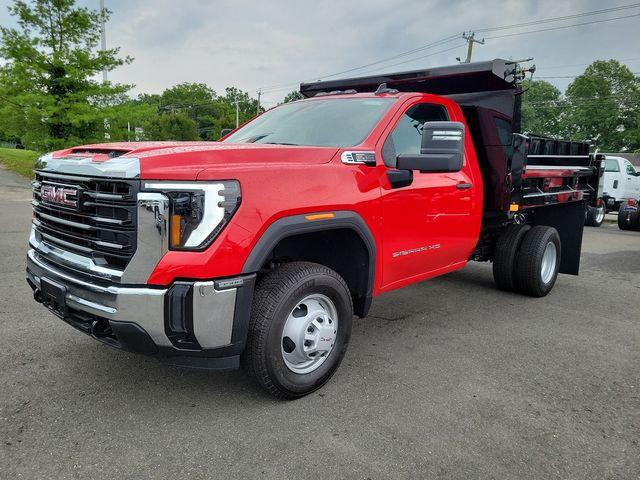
(464, 186)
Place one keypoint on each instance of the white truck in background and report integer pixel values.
(621, 182)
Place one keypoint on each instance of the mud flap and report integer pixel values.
(568, 219)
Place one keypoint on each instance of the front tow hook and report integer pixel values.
(101, 328)
(37, 295)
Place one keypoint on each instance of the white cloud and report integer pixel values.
(253, 44)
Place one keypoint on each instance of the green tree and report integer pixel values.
(248, 107)
(171, 126)
(604, 106)
(197, 100)
(51, 97)
(128, 114)
(211, 112)
(542, 108)
(293, 96)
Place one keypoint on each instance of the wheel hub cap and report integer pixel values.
(600, 214)
(549, 259)
(309, 334)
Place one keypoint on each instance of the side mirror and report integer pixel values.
(442, 149)
(225, 132)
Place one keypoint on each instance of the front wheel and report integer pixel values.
(299, 329)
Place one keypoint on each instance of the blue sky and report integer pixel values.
(279, 43)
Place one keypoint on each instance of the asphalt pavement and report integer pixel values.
(450, 378)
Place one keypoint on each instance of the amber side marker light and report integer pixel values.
(175, 231)
(320, 216)
(514, 207)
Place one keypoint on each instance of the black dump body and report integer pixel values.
(526, 178)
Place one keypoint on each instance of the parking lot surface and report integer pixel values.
(450, 378)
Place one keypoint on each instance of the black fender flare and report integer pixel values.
(299, 224)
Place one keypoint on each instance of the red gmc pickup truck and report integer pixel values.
(259, 249)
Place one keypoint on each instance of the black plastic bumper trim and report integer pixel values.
(202, 363)
(178, 316)
(242, 314)
(133, 338)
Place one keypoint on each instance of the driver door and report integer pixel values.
(427, 226)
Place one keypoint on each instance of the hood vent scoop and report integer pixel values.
(109, 153)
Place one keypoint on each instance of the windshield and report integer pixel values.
(331, 122)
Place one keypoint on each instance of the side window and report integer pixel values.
(406, 137)
(630, 169)
(611, 165)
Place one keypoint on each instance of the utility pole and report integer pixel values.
(103, 37)
(259, 95)
(103, 47)
(470, 38)
(237, 104)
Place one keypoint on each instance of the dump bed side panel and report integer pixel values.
(564, 172)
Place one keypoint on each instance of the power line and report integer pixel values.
(487, 38)
(568, 105)
(404, 54)
(389, 66)
(574, 76)
(437, 43)
(587, 63)
(418, 58)
(562, 27)
(585, 99)
(558, 19)
(281, 87)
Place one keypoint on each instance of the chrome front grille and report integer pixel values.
(93, 217)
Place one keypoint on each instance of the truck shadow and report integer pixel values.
(424, 310)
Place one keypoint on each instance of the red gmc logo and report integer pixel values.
(60, 195)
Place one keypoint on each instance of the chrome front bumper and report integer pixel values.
(188, 319)
(217, 311)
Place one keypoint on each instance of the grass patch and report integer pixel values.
(19, 161)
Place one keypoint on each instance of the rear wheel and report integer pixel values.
(595, 215)
(625, 217)
(538, 261)
(504, 256)
(299, 329)
(635, 218)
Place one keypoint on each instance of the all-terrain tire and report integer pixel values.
(504, 256)
(532, 278)
(276, 295)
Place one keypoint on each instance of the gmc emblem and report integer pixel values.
(60, 195)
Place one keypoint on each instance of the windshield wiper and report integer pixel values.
(281, 143)
(254, 138)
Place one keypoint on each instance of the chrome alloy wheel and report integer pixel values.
(309, 334)
(600, 214)
(549, 259)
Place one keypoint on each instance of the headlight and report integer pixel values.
(198, 211)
